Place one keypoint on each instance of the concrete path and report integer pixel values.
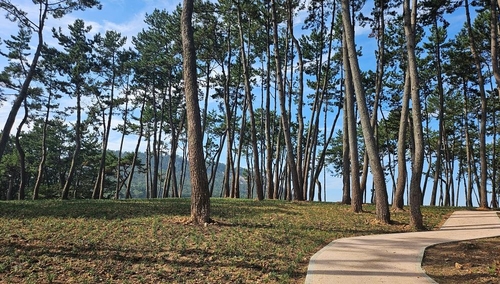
(394, 258)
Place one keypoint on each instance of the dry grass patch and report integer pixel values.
(474, 262)
(148, 241)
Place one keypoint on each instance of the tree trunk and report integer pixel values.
(229, 122)
(410, 16)
(43, 158)
(468, 153)
(120, 150)
(357, 196)
(22, 156)
(439, 148)
(236, 179)
(136, 152)
(494, 42)
(248, 92)
(76, 152)
(496, 73)
(297, 187)
(346, 161)
(398, 201)
(300, 91)
(23, 93)
(271, 194)
(382, 204)
(200, 200)
(483, 202)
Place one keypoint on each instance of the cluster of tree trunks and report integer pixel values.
(271, 102)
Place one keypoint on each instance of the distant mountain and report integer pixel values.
(138, 186)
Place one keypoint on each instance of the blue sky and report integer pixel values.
(127, 17)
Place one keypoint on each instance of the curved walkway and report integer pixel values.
(394, 258)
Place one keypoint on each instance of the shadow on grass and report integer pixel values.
(134, 208)
(85, 256)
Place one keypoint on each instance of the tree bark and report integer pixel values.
(292, 166)
(410, 16)
(382, 204)
(248, 92)
(398, 201)
(200, 200)
(43, 158)
(22, 155)
(483, 202)
(346, 161)
(271, 193)
(23, 93)
(357, 196)
(439, 148)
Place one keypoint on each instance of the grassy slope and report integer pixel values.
(148, 241)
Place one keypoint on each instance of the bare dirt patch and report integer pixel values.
(474, 261)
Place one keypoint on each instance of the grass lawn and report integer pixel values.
(149, 241)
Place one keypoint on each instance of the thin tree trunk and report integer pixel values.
(267, 122)
(297, 187)
(279, 164)
(483, 203)
(357, 196)
(229, 121)
(248, 92)
(346, 161)
(236, 179)
(136, 152)
(43, 158)
(468, 153)
(398, 201)
(23, 176)
(122, 140)
(215, 166)
(316, 169)
(76, 152)
(439, 148)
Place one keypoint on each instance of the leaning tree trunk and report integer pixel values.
(23, 93)
(398, 201)
(382, 204)
(136, 152)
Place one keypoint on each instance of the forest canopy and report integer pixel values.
(285, 112)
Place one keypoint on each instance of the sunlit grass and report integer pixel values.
(149, 241)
